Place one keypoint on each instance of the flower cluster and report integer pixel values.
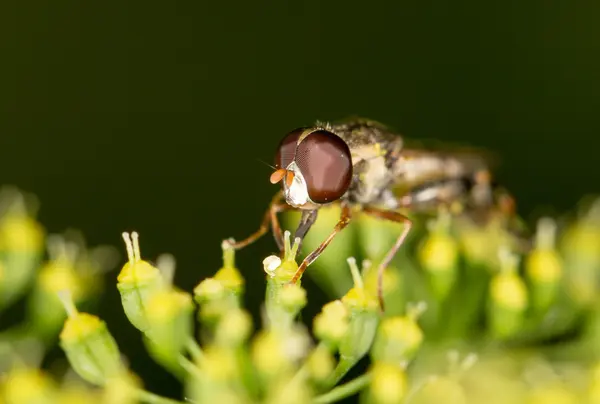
(470, 316)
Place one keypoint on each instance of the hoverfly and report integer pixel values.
(363, 164)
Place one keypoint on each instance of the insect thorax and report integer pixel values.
(374, 150)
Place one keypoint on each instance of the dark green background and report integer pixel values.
(152, 116)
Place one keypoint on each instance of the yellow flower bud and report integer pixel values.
(581, 256)
(137, 282)
(229, 275)
(508, 298)
(293, 297)
(276, 354)
(388, 384)
(363, 319)
(398, 340)
(509, 291)
(553, 394)
(21, 233)
(29, 386)
(331, 324)
(234, 328)
(268, 354)
(359, 298)
(544, 266)
(122, 389)
(170, 317)
(45, 309)
(320, 364)
(438, 254)
(22, 245)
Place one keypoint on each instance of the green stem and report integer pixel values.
(343, 366)
(345, 390)
(194, 349)
(190, 367)
(151, 398)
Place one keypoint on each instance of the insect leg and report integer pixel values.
(394, 217)
(309, 217)
(345, 218)
(270, 216)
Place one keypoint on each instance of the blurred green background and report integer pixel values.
(152, 116)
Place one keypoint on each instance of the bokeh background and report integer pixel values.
(153, 116)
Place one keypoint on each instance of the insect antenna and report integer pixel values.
(265, 163)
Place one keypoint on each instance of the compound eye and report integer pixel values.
(286, 151)
(326, 165)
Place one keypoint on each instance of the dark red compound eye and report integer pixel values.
(325, 162)
(286, 151)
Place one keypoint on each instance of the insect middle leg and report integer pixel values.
(345, 218)
(270, 217)
(394, 217)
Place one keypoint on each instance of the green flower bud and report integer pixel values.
(388, 384)
(326, 271)
(90, 349)
(363, 311)
(282, 271)
(170, 316)
(137, 282)
(438, 255)
(222, 293)
(283, 300)
(28, 386)
(508, 298)
(363, 318)
(229, 275)
(215, 301)
(543, 266)
(398, 338)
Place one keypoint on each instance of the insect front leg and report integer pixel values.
(270, 217)
(345, 218)
(309, 217)
(394, 217)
